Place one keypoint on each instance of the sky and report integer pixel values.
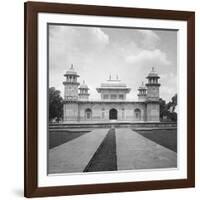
(98, 52)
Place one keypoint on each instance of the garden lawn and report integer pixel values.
(59, 137)
(166, 138)
(105, 158)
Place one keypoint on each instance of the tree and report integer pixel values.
(168, 110)
(55, 105)
(163, 108)
(174, 102)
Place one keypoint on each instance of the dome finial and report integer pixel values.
(72, 66)
(117, 78)
(110, 77)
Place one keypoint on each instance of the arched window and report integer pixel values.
(137, 114)
(88, 113)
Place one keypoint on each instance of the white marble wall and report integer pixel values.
(153, 112)
(100, 111)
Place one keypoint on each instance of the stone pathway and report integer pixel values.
(131, 150)
(73, 156)
(137, 152)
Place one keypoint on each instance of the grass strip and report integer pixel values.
(105, 158)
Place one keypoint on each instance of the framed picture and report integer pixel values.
(109, 99)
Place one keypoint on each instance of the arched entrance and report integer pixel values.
(137, 114)
(88, 114)
(113, 114)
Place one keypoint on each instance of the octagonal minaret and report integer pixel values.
(152, 100)
(153, 86)
(71, 85)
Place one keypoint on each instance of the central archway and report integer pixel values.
(112, 114)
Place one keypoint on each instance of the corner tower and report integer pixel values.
(153, 86)
(152, 100)
(70, 107)
(71, 85)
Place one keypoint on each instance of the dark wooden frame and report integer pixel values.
(31, 188)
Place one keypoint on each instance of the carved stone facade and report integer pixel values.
(112, 104)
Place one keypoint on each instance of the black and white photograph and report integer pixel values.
(112, 99)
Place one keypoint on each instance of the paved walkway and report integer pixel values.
(73, 156)
(133, 151)
(137, 152)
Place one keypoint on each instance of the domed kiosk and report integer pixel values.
(113, 89)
